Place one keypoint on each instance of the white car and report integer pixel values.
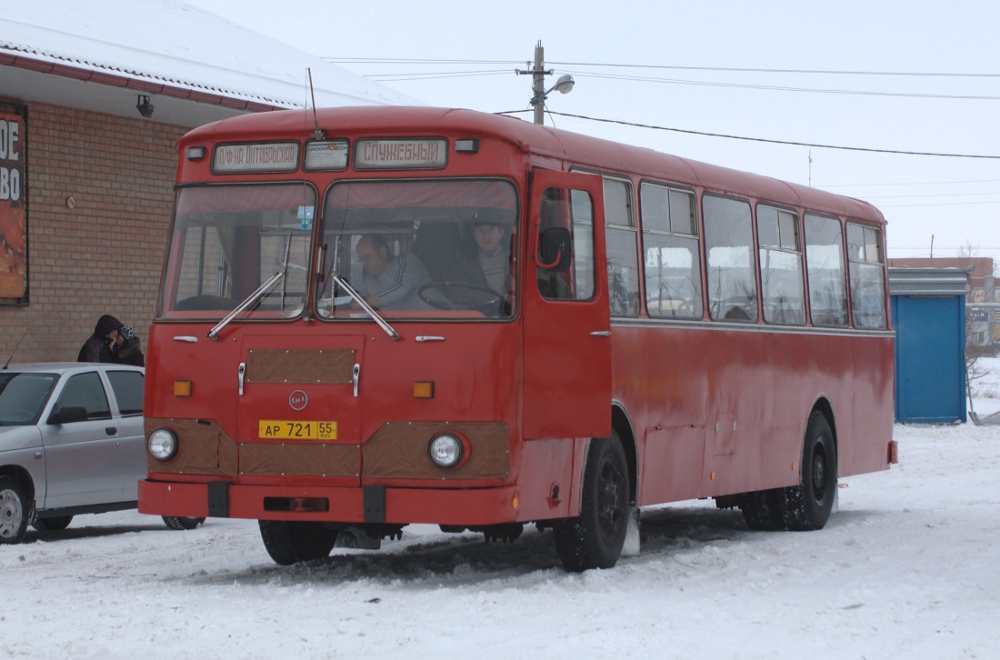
(71, 442)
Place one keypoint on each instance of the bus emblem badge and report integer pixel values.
(298, 400)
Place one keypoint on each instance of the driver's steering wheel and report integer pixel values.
(489, 305)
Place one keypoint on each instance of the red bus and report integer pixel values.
(372, 317)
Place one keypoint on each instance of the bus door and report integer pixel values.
(299, 406)
(567, 344)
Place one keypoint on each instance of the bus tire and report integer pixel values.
(180, 523)
(807, 506)
(289, 542)
(596, 537)
(14, 511)
(763, 510)
(52, 524)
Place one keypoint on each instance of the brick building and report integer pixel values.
(86, 175)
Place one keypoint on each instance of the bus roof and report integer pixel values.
(580, 150)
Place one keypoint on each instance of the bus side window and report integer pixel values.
(732, 277)
(671, 250)
(864, 250)
(780, 266)
(571, 210)
(623, 260)
(825, 269)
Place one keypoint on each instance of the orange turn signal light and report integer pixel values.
(423, 389)
(182, 388)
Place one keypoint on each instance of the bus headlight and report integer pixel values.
(162, 444)
(446, 450)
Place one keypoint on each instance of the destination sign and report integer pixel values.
(270, 157)
(401, 154)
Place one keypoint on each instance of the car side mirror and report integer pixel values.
(68, 415)
(555, 249)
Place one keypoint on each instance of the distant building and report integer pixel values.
(982, 307)
(93, 97)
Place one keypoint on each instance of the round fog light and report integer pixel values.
(446, 450)
(162, 444)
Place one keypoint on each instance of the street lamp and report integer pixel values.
(564, 86)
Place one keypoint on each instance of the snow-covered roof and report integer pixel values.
(73, 53)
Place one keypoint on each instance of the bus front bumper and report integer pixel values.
(369, 504)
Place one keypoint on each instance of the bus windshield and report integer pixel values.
(419, 248)
(229, 240)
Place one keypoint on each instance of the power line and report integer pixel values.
(612, 65)
(903, 206)
(785, 88)
(965, 194)
(766, 140)
(433, 75)
(925, 74)
(915, 183)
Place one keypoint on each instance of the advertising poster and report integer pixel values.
(13, 207)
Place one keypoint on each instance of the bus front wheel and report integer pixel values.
(596, 537)
(808, 505)
(290, 542)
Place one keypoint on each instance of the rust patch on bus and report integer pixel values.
(299, 459)
(203, 447)
(300, 366)
(399, 450)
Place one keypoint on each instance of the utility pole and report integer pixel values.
(538, 84)
(538, 91)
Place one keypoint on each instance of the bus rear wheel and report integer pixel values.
(807, 506)
(289, 542)
(763, 510)
(596, 537)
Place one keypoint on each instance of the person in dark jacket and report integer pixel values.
(128, 347)
(97, 348)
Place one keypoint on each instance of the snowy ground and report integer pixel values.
(907, 568)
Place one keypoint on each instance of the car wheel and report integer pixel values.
(178, 523)
(292, 542)
(13, 511)
(56, 524)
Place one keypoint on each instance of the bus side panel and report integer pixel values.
(720, 410)
(864, 436)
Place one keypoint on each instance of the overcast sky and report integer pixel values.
(954, 200)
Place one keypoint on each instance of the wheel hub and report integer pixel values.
(10, 514)
(610, 511)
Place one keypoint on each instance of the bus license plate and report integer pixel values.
(276, 429)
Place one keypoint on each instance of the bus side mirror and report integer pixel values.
(555, 249)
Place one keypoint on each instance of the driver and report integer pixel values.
(486, 264)
(390, 282)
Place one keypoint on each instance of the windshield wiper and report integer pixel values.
(382, 323)
(251, 299)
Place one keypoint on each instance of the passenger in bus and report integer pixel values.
(485, 263)
(390, 282)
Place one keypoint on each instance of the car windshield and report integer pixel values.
(229, 240)
(419, 248)
(23, 396)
